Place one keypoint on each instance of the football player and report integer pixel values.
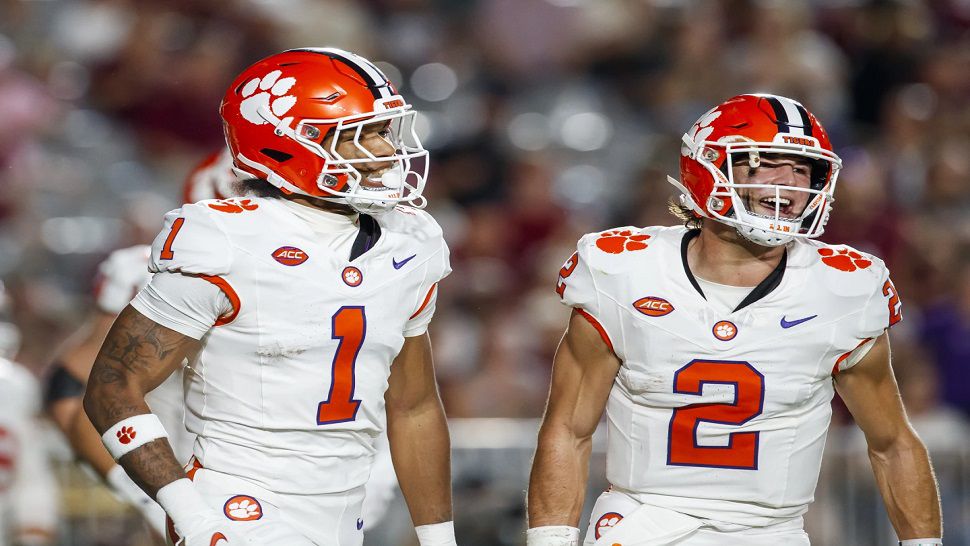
(303, 311)
(28, 492)
(716, 348)
(120, 277)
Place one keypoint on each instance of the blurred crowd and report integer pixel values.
(545, 119)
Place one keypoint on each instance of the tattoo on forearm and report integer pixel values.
(153, 466)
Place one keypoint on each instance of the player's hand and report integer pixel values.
(129, 493)
(212, 530)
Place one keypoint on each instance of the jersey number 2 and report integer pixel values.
(349, 326)
(749, 398)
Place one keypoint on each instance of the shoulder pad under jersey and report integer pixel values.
(862, 281)
(194, 240)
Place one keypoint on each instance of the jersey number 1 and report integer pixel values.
(749, 399)
(348, 325)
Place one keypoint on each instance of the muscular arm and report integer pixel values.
(899, 459)
(137, 356)
(418, 433)
(582, 377)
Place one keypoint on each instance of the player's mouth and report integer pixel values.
(386, 179)
(784, 207)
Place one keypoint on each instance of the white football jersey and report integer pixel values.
(288, 388)
(28, 491)
(716, 413)
(120, 276)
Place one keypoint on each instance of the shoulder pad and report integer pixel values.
(412, 221)
(616, 250)
(193, 240)
(853, 274)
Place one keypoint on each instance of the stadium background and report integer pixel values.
(545, 119)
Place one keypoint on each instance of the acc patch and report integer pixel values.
(290, 255)
(653, 306)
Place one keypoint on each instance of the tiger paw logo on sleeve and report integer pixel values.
(233, 205)
(616, 241)
(844, 259)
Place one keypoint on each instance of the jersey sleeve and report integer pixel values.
(883, 309)
(577, 289)
(120, 277)
(437, 268)
(190, 305)
(192, 241)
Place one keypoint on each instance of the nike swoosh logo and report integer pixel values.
(789, 324)
(399, 265)
(216, 538)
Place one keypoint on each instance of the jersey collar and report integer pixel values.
(763, 289)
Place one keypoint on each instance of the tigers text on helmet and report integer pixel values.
(285, 115)
(745, 130)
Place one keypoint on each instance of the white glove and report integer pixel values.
(128, 492)
(195, 522)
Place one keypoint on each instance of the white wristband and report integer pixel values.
(552, 535)
(131, 433)
(921, 542)
(436, 534)
(183, 503)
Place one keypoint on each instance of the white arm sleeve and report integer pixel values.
(187, 304)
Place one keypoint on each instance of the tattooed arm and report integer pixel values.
(137, 356)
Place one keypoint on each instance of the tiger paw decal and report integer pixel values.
(616, 241)
(233, 206)
(126, 435)
(844, 259)
(272, 96)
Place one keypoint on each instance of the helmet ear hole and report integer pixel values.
(276, 155)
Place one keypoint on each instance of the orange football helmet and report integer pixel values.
(743, 128)
(212, 178)
(280, 111)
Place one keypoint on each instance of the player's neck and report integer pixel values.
(719, 254)
(322, 204)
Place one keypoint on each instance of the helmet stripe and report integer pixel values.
(806, 122)
(788, 117)
(376, 81)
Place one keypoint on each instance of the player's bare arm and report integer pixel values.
(137, 356)
(418, 433)
(899, 459)
(582, 377)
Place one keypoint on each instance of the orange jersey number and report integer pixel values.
(749, 397)
(349, 325)
(895, 307)
(167, 253)
(565, 272)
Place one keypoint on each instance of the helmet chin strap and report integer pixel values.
(763, 237)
